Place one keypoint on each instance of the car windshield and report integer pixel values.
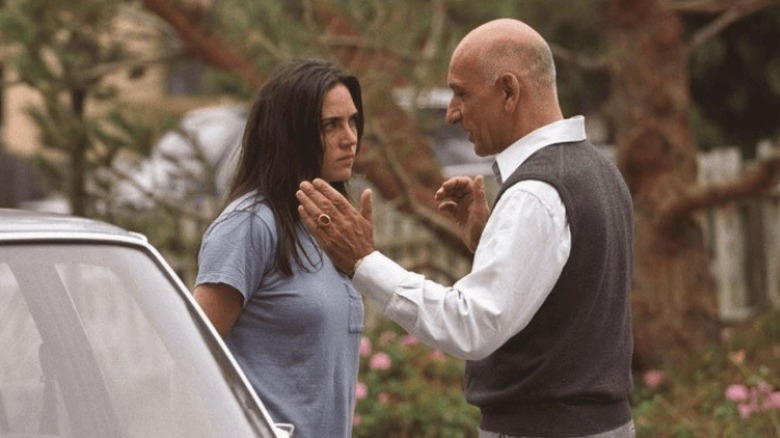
(97, 341)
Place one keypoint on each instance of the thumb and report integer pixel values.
(479, 185)
(479, 180)
(366, 210)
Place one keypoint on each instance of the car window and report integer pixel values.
(97, 341)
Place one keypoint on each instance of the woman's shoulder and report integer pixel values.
(249, 204)
(246, 210)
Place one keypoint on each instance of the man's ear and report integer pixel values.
(510, 87)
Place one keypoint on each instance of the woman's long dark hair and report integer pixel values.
(282, 145)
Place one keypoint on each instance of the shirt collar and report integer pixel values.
(561, 131)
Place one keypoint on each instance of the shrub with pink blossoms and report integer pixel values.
(380, 361)
(361, 391)
(408, 389)
(365, 347)
(759, 398)
(654, 378)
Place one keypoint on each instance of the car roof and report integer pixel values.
(32, 225)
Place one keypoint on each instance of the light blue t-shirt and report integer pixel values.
(297, 338)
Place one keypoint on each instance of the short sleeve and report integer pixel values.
(237, 250)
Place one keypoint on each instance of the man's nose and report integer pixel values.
(453, 114)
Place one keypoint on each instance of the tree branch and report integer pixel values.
(405, 201)
(706, 6)
(581, 62)
(756, 181)
(433, 42)
(97, 72)
(735, 11)
(208, 47)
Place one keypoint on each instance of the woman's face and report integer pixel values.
(339, 134)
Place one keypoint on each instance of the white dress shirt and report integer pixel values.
(520, 255)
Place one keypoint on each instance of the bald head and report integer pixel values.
(512, 46)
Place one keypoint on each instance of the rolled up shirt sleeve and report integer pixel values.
(523, 249)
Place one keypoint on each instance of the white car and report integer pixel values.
(99, 338)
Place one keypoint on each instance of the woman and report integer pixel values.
(290, 317)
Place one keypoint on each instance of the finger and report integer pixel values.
(457, 182)
(452, 186)
(448, 206)
(307, 219)
(366, 209)
(479, 183)
(312, 202)
(332, 195)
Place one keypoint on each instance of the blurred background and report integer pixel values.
(131, 111)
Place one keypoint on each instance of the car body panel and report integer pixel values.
(100, 338)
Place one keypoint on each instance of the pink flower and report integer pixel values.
(380, 361)
(737, 357)
(356, 420)
(745, 409)
(737, 393)
(361, 391)
(383, 397)
(409, 340)
(436, 355)
(654, 378)
(365, 346)
(772, 401)
(764, 388)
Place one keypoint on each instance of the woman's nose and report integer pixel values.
(349, 138)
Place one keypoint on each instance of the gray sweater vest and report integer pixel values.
(568, 373)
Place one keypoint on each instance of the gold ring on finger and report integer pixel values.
(323, 220)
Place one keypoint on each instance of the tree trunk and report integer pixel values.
(674, 301)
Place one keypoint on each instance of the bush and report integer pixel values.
(406, 389)
(727, 390)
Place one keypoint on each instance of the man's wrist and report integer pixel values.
(357, 264)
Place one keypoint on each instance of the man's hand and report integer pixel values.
(463, 200)
(345, 233)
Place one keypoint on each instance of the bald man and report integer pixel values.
(543, 318)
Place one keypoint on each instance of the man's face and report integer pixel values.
(476, 105)
(339, 134)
